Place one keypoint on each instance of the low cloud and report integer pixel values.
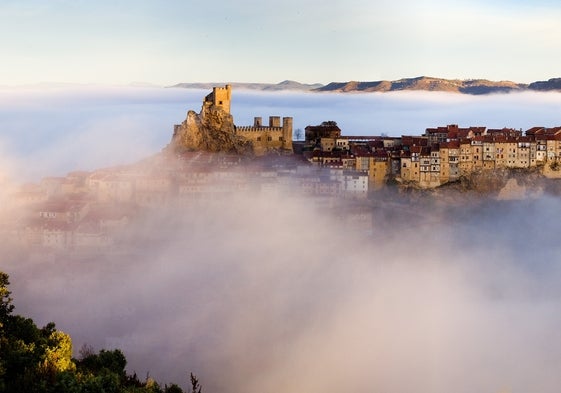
(263, 295)
(258, 294)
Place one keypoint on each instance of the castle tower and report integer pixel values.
(287, 133)
(220, 96)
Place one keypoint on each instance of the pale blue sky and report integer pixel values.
(166, 42)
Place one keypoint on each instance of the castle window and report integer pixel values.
(269, 138)
(258, 139)
(219, 102)
(280, 138)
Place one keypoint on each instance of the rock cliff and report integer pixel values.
(212, 130)
(503, 184)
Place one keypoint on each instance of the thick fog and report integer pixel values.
(276, 293)
(258, 295)
(51, 131)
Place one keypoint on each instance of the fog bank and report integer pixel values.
(265, 294)
(258, 295)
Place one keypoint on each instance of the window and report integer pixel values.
(258, 139)
(269, 138)
(280, 138)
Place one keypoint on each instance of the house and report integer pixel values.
(379, 169)
(449, 161)
(327, 129)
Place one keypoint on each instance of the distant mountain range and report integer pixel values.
(284, 85)
(422, 83)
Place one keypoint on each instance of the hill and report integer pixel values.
(421, 83)
(552, 84)
(424, 83)
(284, 85)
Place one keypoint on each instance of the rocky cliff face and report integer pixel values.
(503, 184)
(212, 130)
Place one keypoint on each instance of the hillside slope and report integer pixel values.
(421, 83)
(424, 83)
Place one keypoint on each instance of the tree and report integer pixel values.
(6, 306)
(195, 387)
(298, 134)
(106, 361)
(173, 388)
(39, 360)
(58, 354)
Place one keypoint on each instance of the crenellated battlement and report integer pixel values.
(258, 129)
(276, 136)
(220, 96)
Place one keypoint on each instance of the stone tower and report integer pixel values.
(221, 97)
(287, 132)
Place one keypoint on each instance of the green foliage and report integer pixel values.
(58, 354)
(173, 388)
(6, 306)
(106, 361)
(39, 360)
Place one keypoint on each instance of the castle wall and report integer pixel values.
(277, 136)
(274, 121)
(273, 137)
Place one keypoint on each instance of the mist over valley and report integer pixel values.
(272, 290)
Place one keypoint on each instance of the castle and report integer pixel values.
(264, 138)
(220, 97)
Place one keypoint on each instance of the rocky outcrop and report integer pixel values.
(506, 184)
(212, 130)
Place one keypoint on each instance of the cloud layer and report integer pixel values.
(266, 295)
(258, 294)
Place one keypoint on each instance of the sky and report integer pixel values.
(108, 42)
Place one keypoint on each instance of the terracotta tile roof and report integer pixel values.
(535, 131)
(453, 144)
(380, 153)
(414, 141)
(415, 149)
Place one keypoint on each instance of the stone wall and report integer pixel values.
(213, 130)
(275, 137)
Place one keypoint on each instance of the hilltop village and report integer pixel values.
(441, 155)
(211, 159)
